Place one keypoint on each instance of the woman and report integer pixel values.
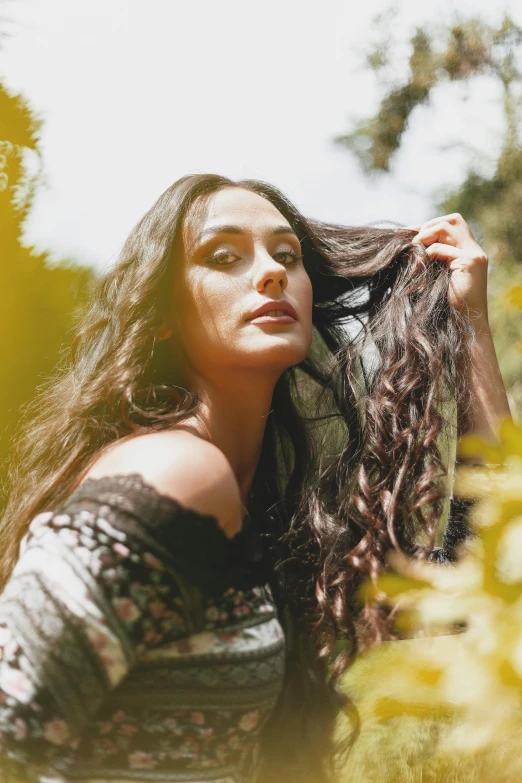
(215, 473)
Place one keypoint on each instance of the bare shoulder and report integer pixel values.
(181, 465)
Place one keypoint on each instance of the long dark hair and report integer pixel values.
(351, 466)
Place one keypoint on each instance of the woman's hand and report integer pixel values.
(449, 239)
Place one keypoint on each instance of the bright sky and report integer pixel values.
(136, 94)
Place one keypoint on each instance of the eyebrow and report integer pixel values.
(230, 229)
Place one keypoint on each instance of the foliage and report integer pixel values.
(40, 298)
(455, 53)
(446, 704)
(492, 203)
(493, 207)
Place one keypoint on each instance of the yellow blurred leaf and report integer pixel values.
(406, 622)
(508, 676)
(510, 437)
(386, 708)
(430, 675)
(390, 586)
(514, 296)
(472, 446)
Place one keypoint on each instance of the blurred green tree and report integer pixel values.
(40, 297)
(491, 203)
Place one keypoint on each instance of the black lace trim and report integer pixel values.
(130, 492)
(194, 543)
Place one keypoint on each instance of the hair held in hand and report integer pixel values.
(351, 466)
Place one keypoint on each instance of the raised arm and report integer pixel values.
(449, 238)
(489, 405)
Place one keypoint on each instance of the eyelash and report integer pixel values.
(295, 256)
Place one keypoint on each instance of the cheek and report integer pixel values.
(305, 301)
(207, 312)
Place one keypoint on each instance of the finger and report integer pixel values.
(454, 218)
(440, 232)
(444, 252)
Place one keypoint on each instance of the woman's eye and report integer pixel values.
(285, 257)
(220, 259)
(289, 256)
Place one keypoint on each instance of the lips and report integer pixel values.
(277, 310)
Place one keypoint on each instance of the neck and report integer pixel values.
(232, 415)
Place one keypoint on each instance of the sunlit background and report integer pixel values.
(359, 112)
(133, 95)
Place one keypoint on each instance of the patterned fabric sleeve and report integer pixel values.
(84, 602)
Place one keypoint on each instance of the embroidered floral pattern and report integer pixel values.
(91, 602)
(187, 739)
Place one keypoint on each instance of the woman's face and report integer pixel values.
(238, 254)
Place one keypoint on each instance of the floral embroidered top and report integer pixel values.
(139, 643)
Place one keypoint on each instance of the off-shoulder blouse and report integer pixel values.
(139, 643)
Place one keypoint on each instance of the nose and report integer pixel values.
(269, 275)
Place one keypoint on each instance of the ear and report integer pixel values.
(164, 332)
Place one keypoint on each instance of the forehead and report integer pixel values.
(231, 205)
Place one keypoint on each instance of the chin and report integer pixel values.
(281, 350)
